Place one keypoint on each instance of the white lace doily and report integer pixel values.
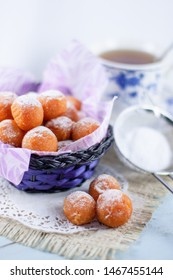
(44, 211)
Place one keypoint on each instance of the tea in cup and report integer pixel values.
(135, 74)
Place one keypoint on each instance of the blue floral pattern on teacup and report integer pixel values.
(133, 86)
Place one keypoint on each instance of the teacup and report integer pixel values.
(135, 73)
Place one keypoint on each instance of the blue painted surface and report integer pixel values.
(20, 252)
(4, 241)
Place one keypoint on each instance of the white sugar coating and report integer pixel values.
(52, 94)
(80, 198)
(87, 121)
(38, 131)
(103, 176)
(103, 181)
(147, 148)
(8, 131)
(106, 177)
(101, 186)
(108, 197)
(70, 105)
(60, 122)
(7, 97)
(28, 101)
(100, 183)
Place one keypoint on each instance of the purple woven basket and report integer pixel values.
(65, 171)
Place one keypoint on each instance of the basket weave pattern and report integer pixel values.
(64, 171)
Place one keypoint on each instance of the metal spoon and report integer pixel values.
(145, 116)
(166, 53)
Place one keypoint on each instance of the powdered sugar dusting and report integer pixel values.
(39, 131)
(70, 105)
(80, 197)
(9, 132)
(60, 122)
(104, 181)
(101, 186)
(105, 177)
(147, 148)
(109, 197)
(52, 94)
(7, 97)
(88, 120)
(8, 129)
(27, 101)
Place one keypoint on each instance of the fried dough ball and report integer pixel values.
(76, 102)
(84, 127)
(71, 112)
(10, 133)
(54, 104)
(61, 127)
(79, 208)
(40, 138)
(102, 183)
(6, 100)
(114, 208)
(27, 112)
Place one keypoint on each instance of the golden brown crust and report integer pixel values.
(10, 133)
(71, 113)
(40, 139)
(83, 128)
(61, 127)
(54, 104)
(76, 102)
(6, 100)
(79, 208)
(114, 208)
(27, 112)
(101, 184)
